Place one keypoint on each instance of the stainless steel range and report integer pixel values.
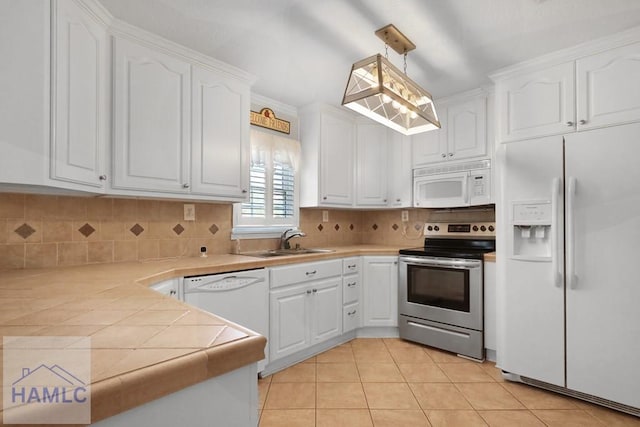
(440, 289)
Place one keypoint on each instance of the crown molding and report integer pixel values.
(573, 53)
(279, 107)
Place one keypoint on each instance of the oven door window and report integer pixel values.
(438, 287)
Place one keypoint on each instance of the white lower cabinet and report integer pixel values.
(380, 278)
(351, 317)
(351, 294)
(306, 312)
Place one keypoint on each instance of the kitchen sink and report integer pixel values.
(286, 252)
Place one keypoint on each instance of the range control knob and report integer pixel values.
(475, 228)
(436, 228)
(483, 228)
(430, 228)
(491, 228)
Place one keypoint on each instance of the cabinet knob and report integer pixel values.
(102, 177)
(244, 191)
(315, 290)
(351, 313)
(311, 273)
(172, 292)
(324, 198)
(185, 185)
(398, 200)
(443, 155)
(308, 291)
(384, 201)
(570, 124)
(450, 154)
(351, 284)
(583, 122)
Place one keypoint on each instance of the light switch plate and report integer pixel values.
(325, 216)
(405, 216)
(189, 212)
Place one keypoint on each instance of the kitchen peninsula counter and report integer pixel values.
(144, 345)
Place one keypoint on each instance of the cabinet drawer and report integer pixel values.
(300, 273)
(350, 288)
(350, 265)
(350, 317)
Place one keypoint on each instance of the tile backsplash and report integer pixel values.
(48, 231)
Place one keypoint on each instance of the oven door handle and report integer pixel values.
(438, 263)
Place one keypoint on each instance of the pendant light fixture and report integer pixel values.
(380, 91)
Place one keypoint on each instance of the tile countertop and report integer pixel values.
(490, 257)
(144, 345)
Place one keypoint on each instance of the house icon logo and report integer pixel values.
(48, 384)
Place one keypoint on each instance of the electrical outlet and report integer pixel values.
(405, 216)
(189, 212)
(325, 216)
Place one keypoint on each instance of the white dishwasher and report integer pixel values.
(239, 296)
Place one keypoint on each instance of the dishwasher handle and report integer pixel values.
(221, 284)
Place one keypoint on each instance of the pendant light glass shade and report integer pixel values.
(380, 91)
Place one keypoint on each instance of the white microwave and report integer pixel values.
(452, 186)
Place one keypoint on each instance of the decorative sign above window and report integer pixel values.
(266, 118)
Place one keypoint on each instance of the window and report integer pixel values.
(273, 191)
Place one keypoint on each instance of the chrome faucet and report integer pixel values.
(284, 238)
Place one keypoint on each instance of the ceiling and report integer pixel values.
(301, 51)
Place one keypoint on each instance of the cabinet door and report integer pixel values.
(467, 129)
(219, 136)
(79, 96)
(429, 147)
(537, 104)
(609, 87)
(371, 165)
(289, 325)
(400, 171)
(336, 161)
(380, 284)
(151, 111)
(327, 309)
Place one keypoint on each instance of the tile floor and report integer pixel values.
(390, 382)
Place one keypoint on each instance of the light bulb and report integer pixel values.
(395, 104)
(403, 109)
(413, 115)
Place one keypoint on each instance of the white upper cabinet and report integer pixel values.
(467, 129)
(463, 134)
(327, 136)
(219, 135)
(79, 96)
(151, 115)
(400, 174)
(589, 92)
(609, 87)
(371, 165)
(537, 104)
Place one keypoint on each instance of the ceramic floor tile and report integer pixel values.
(440, 356)
(455, 418)
(343, 418)
(288, 418)
(488, 396)
(423, 373)
(363, 355)
(399, 418)
(439, 396)
(535, 398)
(380, 373)
(613, 418)
(568, 418)
(510, 419)
(291, 396)
(340, 396)
(368, 344)
(263, 389)
(389, 396)
(465, 373)
(336, 355)
(409, 355)
(490, 368)
(300, 373)
(337, 372)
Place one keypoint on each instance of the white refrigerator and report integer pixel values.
(570, 291)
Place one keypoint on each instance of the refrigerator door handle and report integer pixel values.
(555, 195)
(571, 264)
